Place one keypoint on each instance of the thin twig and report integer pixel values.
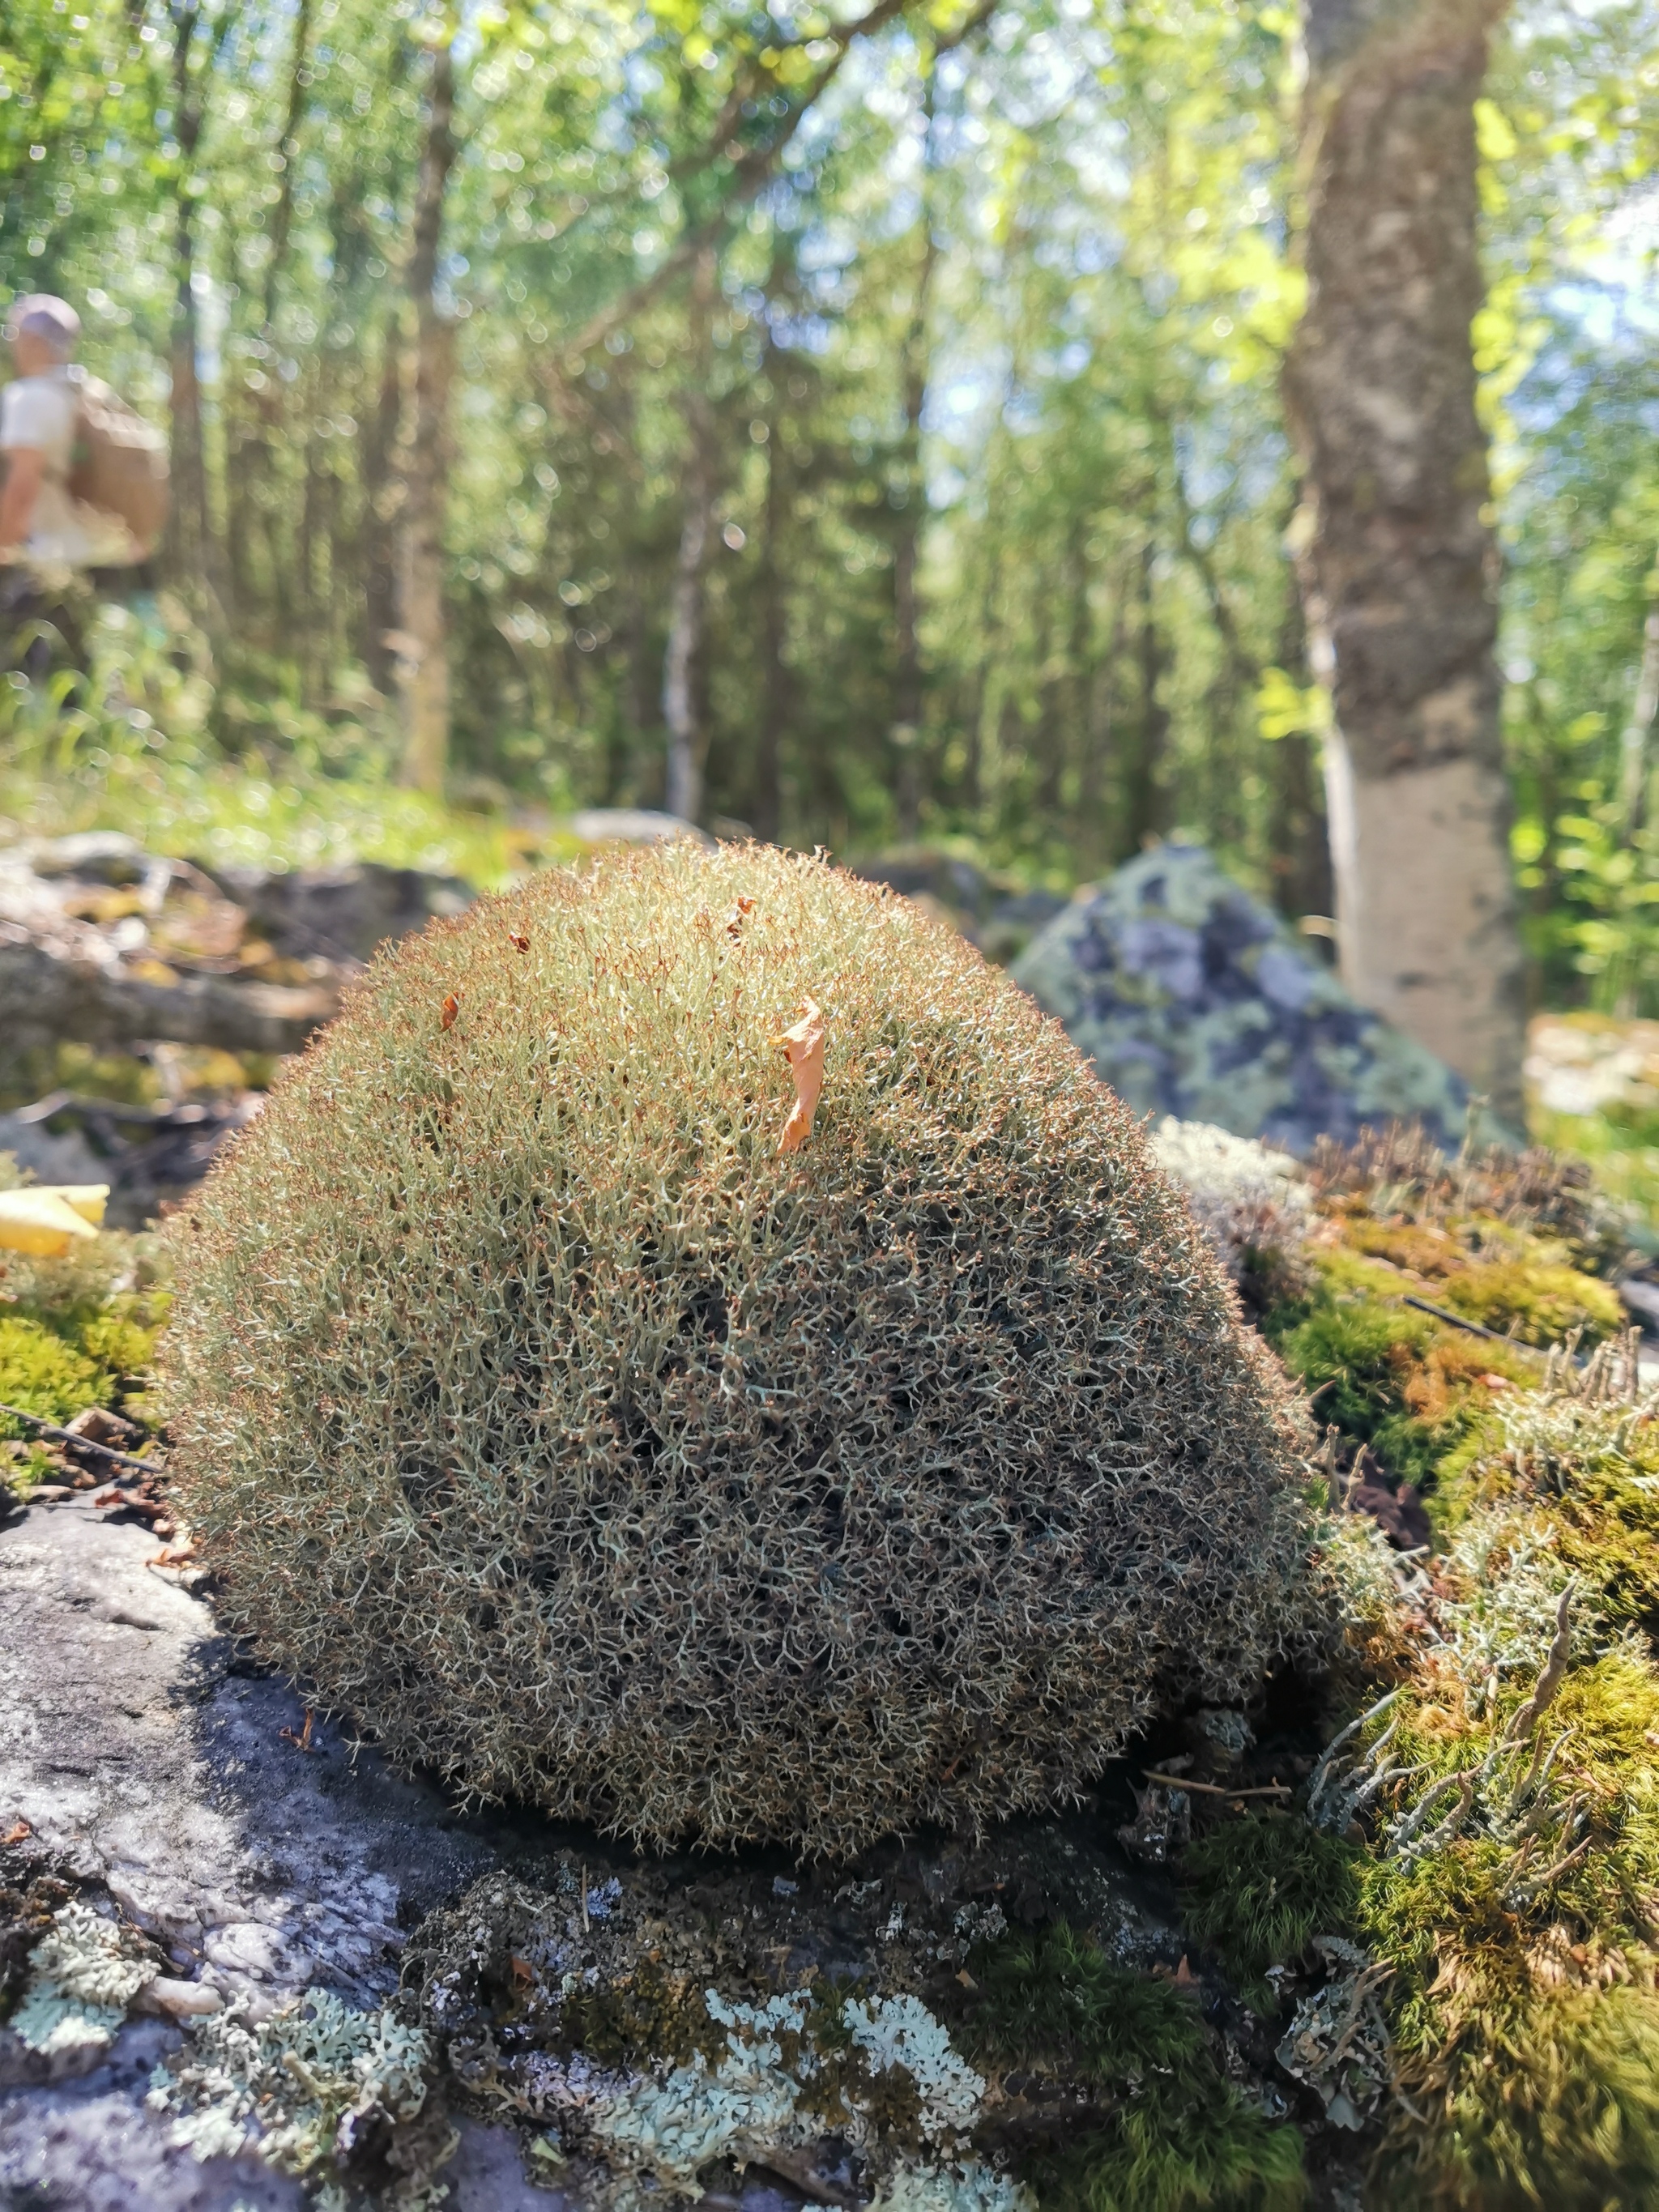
(1474, 1328)
(1214, 1789)
(82, 1443)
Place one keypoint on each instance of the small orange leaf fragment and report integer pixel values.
(452, 1007)
(739, 914)
(518, 940)
(803, 1047)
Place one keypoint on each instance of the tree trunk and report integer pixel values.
(381, 493)
(768, 801)
(1143, 795)
(1633, 743)
(281, 225)
(688, 738)
(907, 543)
(1299, 845)
(1397, 560)
(422, 642)
(192, 551)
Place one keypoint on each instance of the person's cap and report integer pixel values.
(43, 315)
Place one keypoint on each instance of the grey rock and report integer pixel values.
(144, 1757)
(68, 1158)
(89, 2146)
(1191, 998)
(633, 825)
(339, 914)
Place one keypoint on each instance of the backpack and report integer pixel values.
(120, 463)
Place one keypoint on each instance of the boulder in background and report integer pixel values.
(1192, 998)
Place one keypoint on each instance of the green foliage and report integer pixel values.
(1536, 1303)
(543, 1413)
(130, 749)
(74, 1330)
(1180, 2137)
(40, 1373)
(1056, 1999)
(1258, 1890)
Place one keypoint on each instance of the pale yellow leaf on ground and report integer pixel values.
(45, 1220)
(803, 1046)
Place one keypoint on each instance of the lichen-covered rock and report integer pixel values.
(542, 1410)
(1191, 999)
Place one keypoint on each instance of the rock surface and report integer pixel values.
(144, 1757)
(1191, 998)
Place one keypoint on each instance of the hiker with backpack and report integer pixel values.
(85, 490)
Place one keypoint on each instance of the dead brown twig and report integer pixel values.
(1215, 1789)
(82, 1443)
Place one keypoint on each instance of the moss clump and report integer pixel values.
(1168, 2133)
(539, 1412)
(1538, 1302)
(1258, 1890)
(76, 1332)
(646, 2015)
(39, 1373)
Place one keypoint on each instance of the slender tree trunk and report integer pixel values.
(281, 221)
(682, 705)
(1298, 842)
(1397, 559)
(768, 801)
(382, 493)
(908, 681)
(1093, 842)
(1143, 796)
(422, 637)
(193, 552)
(1638, 732)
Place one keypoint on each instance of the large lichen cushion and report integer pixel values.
(1191, 999)
(538, 1412)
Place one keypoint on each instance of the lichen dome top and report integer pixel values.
(540, 1412)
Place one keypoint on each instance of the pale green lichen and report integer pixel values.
(972, 2186)
(298, 2088)
(83, 1975)
(764, 2092)
(901, 2031)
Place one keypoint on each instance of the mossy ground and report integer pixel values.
(76, 1332)
(1502, 1813)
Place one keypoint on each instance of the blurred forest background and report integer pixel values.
(887, 417)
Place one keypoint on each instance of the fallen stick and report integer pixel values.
(1474, 1328)
(82, 1443)
(1214, 1789)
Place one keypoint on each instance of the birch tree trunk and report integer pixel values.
(422, 639)
(1397, 559)
(688, 740)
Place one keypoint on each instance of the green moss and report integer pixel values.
(1545, 2102)
(1056, 1999)
(1539, 1305)
(1352, 1352)
(1214, 2153)
(118, 1342)
(39, 1373)
(1258, 1890)
(1178, 2137)
(645, 2016)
